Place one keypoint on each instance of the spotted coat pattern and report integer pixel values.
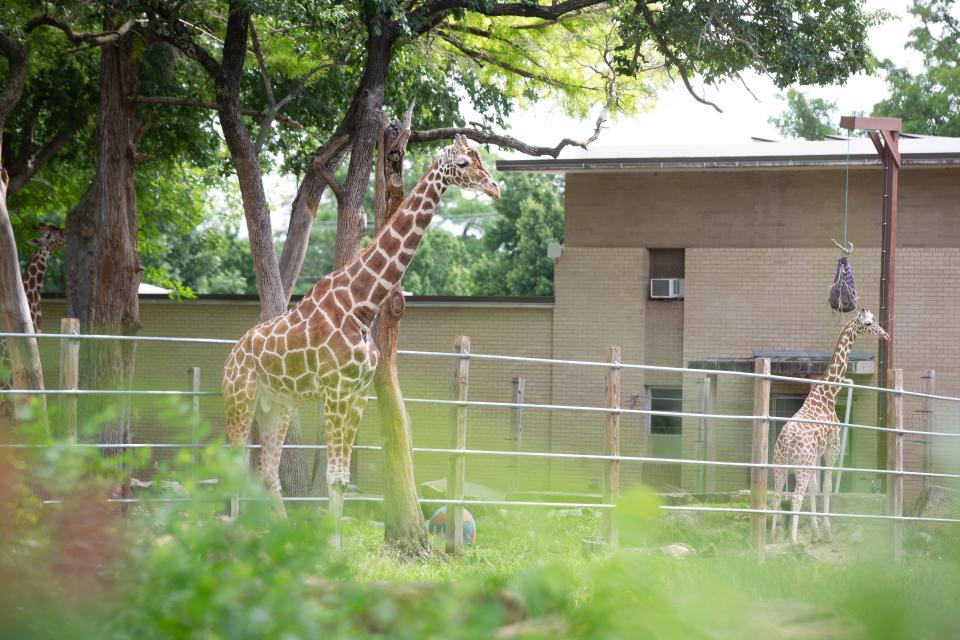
(322, 349)
(803, 443)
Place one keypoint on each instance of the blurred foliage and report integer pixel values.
(175, 567)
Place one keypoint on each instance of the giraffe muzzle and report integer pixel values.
(492, 189)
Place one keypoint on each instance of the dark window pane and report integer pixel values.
(666, 399)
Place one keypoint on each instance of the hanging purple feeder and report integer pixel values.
(843, 292)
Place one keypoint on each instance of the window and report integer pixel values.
(665, 399)
(667, 263)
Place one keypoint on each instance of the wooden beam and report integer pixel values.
(870, 122)
(758, 475)
(892, 147)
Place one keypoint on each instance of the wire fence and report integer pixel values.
(611, 412)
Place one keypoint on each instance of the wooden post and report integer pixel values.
(758, 475)
(458, 440)
(895, 461)
(519, 388)
(193, 379)
(701, 474)
(611, 484)
(711, 435)
(929, 386)
(69, 377)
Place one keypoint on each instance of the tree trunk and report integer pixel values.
(404, 525)
(102, 263)
(15, 318)
(14, 308)
(294, 474)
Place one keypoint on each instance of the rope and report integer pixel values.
(846, 188)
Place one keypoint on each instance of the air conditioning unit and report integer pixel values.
(666, 288)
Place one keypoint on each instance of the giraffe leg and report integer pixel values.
(779, 482)
(342, 420)
(814, 520)
(239, 409)
(803, 478)
(832, 454)
(272, 421)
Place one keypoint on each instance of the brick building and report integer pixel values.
(747, 228)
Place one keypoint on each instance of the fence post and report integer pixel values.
(758, 475)
(69, 377)
(895, 461)
(611, 484)
(519, 388)
(711, 435)
(193, 379)
(458, 440)
(929, 386)
(701, 477)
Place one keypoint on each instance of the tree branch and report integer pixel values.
(16, 55)
(29, 165)
(479, 56)
(484, 136)
(177, 36)
(664, 46)
(93, 39)
(429, 15)
(200, 104)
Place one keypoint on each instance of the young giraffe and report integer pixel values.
(322, 348)
(803, 443)
(50, 239)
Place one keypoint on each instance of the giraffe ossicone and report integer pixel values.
(322, 349)
(802, 444)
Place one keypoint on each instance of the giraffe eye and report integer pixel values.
(462, 162)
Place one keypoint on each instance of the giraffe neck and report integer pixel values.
(33, 283)
(837, 369)
(379, 269)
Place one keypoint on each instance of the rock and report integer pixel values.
(709, 549)
(924, 537)
(376, 524)
(565, 513)
(937, 502)
(678, 550)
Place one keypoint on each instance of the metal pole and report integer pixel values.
(193, 379)
(758, 475)
(611, 480)
(844, 436)
(519, 387)
(895, 485)
(458, 441)
(69, 377)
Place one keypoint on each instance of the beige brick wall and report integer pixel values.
(516, 329)
(785, 308)
(600, 301)
(781, 208)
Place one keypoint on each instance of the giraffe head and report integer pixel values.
(48, 237)
(461, 165)
(867, 325)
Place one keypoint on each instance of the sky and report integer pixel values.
(676, 118)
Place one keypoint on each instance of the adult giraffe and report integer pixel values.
(803, 443)
(322, 349)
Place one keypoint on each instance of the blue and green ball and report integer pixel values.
(438, 524)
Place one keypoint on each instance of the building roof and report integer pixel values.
(759, 154)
